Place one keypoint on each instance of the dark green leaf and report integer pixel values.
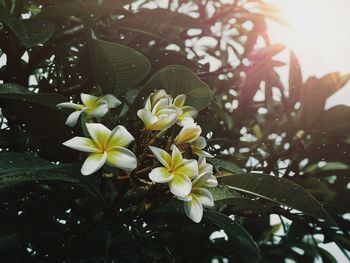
(223, 165)
(117, 67)
(17, 168)
(278, 190)
(242, 241)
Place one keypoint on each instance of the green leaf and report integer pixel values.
(31, 32)
(17, 168)
(17, 92)
(222, 165)
(278, 190)
(241, 240)
(176, 79)
(118, 68)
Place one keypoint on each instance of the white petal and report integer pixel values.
(73, 118)
(69, 105)
(160, 105)
(184, 121)
(164, 122)
(180, 185)
(160, 175)
(176, 157)
(99, 133)
(162, 156)
(194, 209)
(211, 182)
(180, 100)
(93, 163)
(201, 179)
(112, 101)
(99, 110)
(122, 158)
(188, 134)
(188, 111)
(188, 168)
(199, 143)
(186, 198)
(204, 196)
(119, 137)
(81, 144)
(147, 117)
(88, 100)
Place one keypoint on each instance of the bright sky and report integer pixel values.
(318, 32)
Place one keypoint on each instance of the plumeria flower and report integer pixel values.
(176, 171)
(186, 114)
(188, 134)
(105, 146)
(154, 98)
(157, 117)
(93, 106)
(199, 197)
(198, 145)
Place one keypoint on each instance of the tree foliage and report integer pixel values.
(277, 150)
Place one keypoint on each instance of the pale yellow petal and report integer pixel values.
(81, 144)
(119, 137)
(188, 168)
(180, 185)
(93, 163)
(164, 122)
(147, 117)
(160, 175)
(99, 110)
(162, 156)
(70, 105)
(99, 134)
(204, 196)
(122, 158)
(111, 101)
(188, 134)
(194, 209)
(176, 157)
(180, 100)
(88, 100)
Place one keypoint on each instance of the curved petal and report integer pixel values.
(199, 143)
(99, 110)
(88, 100)
(188, 168)
(180, 100)
(180, 185)
(203, 166)
(147, 117)
(176, 157)
(194, 209)
(93, 163)
(161, 104)
(211, 182)
(148, 104)
(160, 175)
(188, 134)
(204, 196)
(81, 144)
(73, 118)
(111, 101)
(119, 137)
(188, 111)
(69, 105)
(186, 198)
(99, 134)
(162, 156)
(184, 121)
(164, 122)
(201, 179)
(122, 158)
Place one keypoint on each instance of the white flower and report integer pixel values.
(157, 116)
(198, 145)
(199, 197)
(186, 114)
(105, 146)
(188, 134)
(176, 171)
(93, 106)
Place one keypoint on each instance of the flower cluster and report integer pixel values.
(186, 176)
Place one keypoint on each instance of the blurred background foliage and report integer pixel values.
(256, 122)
